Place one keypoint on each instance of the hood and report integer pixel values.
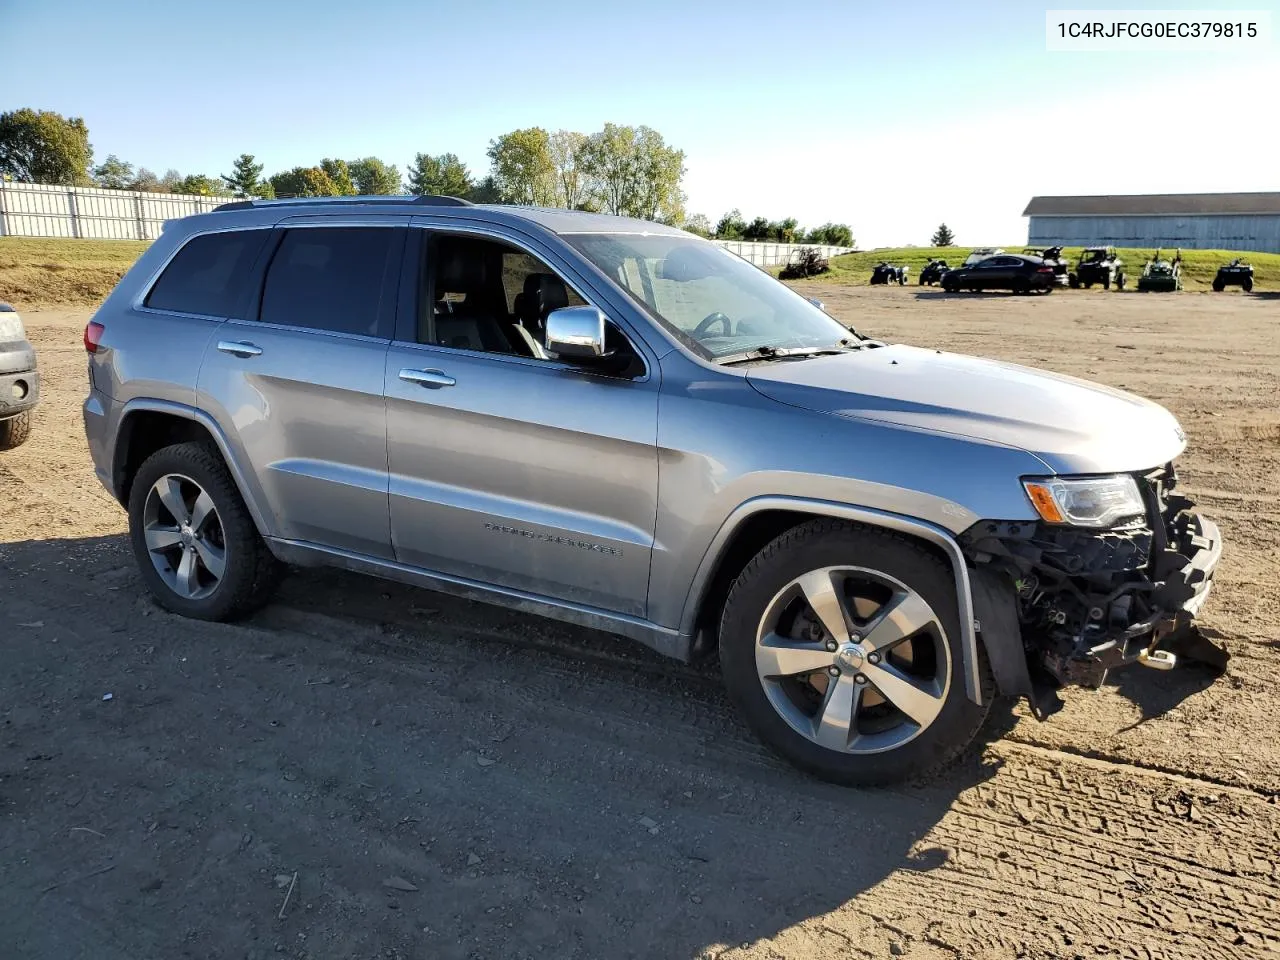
(1074, 426)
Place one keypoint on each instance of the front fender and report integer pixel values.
(911, 526)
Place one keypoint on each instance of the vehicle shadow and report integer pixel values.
(439, 773)
(1201, 662)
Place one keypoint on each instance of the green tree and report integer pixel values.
(522, 167)
(731, 226)
(834, 234)
(699, 223)
(635, 173)
(245, 179)
(943, 237)
(169, 182)
(338, 172)
(113, 173)
(442, 176)
(373, 177)
(304, 182)
(200, 185)
(659, 168)
(40, 146)
(485, 191)
(572, 185)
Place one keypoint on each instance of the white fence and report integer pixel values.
(40, 210)
(776, 254)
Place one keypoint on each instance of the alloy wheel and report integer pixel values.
(184, 536)
(853, 659)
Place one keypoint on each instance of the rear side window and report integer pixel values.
(208, 275)
(328, 278)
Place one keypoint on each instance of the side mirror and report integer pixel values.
(817, 303)
(576, 333)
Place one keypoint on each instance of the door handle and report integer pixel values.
(240, 348)
(435, 379)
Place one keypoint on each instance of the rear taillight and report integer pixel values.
(1045, 270)
(93, 336)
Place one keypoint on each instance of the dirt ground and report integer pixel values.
(369, 771)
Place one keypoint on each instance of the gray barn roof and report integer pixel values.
(1154, 204)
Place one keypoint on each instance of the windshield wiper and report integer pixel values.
(778, 353)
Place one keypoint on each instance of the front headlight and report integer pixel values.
(11, 327)
(1085, 502)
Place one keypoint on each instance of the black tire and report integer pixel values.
(1021, 286)
(251, 573)
(1247, 284)
(1218, 286)
(15, 431)
(1121, 279)
(1106, 283)
(1073, 281)
(827, 542)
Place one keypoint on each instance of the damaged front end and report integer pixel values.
(1061, 605)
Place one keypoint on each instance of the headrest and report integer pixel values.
(543, 292)
(462, 266)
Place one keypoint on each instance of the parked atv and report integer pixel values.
(885, 272)
(1052, 257)
(932, 272)
(1098, 265)
(805, 263)
(1160, 275)
(1237, 273)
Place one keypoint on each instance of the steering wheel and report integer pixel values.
(710, 320)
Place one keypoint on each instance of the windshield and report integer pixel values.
(716, 302)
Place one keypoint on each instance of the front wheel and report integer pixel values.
(197, 548)
(1247, 284)
(15, 431)
(841, 647)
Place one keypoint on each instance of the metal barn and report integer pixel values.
(1192, 221)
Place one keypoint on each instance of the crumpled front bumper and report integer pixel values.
(1083, 602)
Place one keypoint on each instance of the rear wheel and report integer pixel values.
(197, 548)
(1247, 284)
(15, 431)
(841, 646)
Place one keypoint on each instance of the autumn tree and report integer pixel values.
(304, 182)
(340, 175)
(40, 146)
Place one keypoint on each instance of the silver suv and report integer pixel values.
(618, 424)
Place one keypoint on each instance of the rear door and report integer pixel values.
(508, 467)
(299, 383)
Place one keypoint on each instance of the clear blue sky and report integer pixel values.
(887, 116)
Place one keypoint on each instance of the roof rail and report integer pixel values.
(428, 200)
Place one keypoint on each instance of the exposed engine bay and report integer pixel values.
(1089, 600)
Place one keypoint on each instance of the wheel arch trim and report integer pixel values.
(187, 412)
(899, 523)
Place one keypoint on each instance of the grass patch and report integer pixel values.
(57, 270)
(1198, 266)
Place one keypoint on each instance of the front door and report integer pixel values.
(299, 383)
(507, 466)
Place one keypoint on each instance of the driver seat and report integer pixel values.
(543, 292)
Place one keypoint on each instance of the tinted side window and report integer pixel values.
(328, 278)
(208, 275)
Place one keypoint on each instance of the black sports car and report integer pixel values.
(1007, 271)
